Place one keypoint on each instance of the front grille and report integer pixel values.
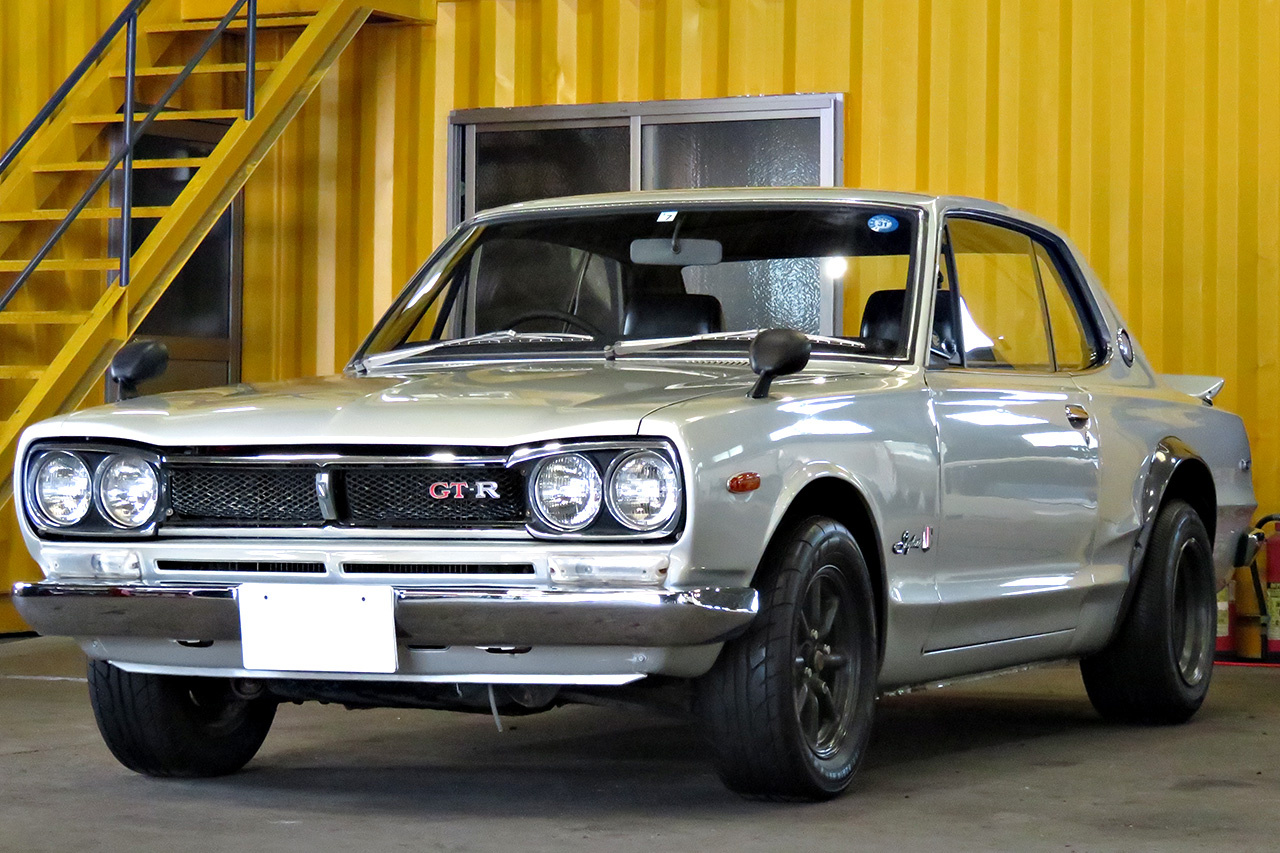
(234, 493)
(239, 566)
(437, 569)
(402, 496)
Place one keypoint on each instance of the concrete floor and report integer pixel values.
(1018, 762)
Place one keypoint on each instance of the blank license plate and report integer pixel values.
(308, 628)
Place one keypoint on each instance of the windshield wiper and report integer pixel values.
(382, 359)
(652, 344)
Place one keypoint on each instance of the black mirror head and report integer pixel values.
(136, 362)
(777, 352)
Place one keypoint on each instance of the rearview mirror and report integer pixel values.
(675, 252)
(777, 352)
(135, 363)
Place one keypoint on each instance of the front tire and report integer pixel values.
(788, 706)
(1157, 668)
(168, 725)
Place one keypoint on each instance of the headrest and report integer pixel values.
(672, 315)
(882, 318)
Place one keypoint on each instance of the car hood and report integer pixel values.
(473, 405)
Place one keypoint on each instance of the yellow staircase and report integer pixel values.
(62, 320)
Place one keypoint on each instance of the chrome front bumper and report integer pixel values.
(434, 616)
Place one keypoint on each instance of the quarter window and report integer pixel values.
(1071, 348)
(1002, 317)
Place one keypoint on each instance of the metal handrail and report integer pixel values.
(131, 132)
(130, 13)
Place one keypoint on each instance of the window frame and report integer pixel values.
(828, 108)
(1061, 256)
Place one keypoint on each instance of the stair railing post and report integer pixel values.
(251, 59)
(126, 181)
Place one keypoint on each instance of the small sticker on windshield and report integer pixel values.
(667, 216)
(882, 223)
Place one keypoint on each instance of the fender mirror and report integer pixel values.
(136, 362)
(777, 352)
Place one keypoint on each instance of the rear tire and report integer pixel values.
(1158, 667)
(167, 725)
(788, 706)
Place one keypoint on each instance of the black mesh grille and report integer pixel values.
(437, 569)
(238, 566)
(422, 496)
(250, 494)
(414, 497)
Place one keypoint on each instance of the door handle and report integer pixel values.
(1077, 416)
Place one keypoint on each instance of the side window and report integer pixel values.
(1002, 315)
(1071, 347)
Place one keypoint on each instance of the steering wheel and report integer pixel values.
(562, 316)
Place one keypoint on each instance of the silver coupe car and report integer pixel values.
(765, 453)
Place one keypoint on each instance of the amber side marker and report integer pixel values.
(746, 482)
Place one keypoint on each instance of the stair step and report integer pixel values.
(20, 371)
(87, 213)
(211, 68)
(264, 21)
(64, 265)
(99, 165)
(166, 115)
(43, 318)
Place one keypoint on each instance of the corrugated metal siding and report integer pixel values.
(1149, 131)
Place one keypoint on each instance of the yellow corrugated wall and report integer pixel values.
(1148, 129)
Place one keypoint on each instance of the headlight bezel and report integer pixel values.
(606, 455)
(96, 522)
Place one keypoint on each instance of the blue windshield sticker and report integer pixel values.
(882, 224)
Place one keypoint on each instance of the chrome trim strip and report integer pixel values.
(446, 616)
(325, 459)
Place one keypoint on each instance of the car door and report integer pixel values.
(1019, 451)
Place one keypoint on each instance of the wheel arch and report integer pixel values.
(843, 501)
(1175, 472)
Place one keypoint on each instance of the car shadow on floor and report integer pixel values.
(591, 762)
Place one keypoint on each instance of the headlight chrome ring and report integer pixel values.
(567, 492)
(62, 488)
(643, 491)
(128, 490)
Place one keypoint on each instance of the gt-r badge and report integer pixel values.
(909, 540)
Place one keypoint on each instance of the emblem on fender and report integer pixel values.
(909, 540)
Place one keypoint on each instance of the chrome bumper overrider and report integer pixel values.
(442, 616)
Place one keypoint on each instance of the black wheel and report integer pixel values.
(563, 316)
(788, 705)
(166, 725)
(1157, 668)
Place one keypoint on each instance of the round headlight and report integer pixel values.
(567, 492)
(63, 488)
(644, 491)
(128, 490)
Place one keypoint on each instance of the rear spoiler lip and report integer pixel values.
(1201, 387)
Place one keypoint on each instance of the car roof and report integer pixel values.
(772, 195)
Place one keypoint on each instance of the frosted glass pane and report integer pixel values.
(782, 292)
(747, 153)
(522, 165)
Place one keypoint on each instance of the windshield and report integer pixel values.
(584, 281)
